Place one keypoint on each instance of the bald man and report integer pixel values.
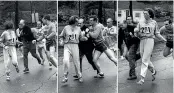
(110, 35)
(40, 46)
(85, 47)
(132, 45)
(50, 36)
(27, 37)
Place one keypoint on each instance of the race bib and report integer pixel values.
(72, 37)
(146, 30)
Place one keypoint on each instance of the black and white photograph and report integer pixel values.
(145, 43)
(28, 51)
(87, 49)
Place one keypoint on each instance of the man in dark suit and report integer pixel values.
(28, 39)
(86, 47)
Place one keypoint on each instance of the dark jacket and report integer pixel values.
(86, 46)
(26, 34)
(128, 39)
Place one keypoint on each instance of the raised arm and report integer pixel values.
(2, 38)
(157, 33)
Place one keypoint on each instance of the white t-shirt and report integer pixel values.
(148, 29)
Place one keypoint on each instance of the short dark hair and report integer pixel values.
(73, 20)
(151, 12)
(8, 25)
(94, 17)
(47, 17)
(169, 20)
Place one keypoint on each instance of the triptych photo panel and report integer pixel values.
(86, 46)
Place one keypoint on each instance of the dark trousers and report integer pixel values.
(132, 57)
(89, 56)
(30, 47)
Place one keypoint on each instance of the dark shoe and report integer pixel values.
(153, 75)
(26, 70)
(50, 66)
(99, 75)
(75, 76)
(39, 61)
(132, 78)
(8, 76)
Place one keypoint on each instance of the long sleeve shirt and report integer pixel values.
(27, 34)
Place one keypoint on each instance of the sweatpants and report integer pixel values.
(146, 48)
(71, 50)
(10, 55)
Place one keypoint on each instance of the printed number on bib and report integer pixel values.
(145, 30)
(72, 37)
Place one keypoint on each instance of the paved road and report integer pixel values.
(90, 84)
(164, 77)
(39, 80)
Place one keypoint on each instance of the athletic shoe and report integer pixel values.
(140, 82)
(99, 75)
(75, 76)
(7, 76)
(65, 80)
(50, 65)
(132, 78)
(153, 75)
(80, 79)
(122, 58)
(26, 70)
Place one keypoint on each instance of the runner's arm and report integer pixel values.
(2, 38)
(157, 33)
(113, 31)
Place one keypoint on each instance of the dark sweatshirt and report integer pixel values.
(128, 39)
(26, 34)
(86, 46)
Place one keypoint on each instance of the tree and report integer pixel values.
(16, 14)
(100, 11)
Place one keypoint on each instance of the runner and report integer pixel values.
(70, 36)
(28, 41)
(95, 33)
(9, 41)
(88, 52)
(168, 30)
(110, 36)
(40, 46)
(50, 36)
(146, 31)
